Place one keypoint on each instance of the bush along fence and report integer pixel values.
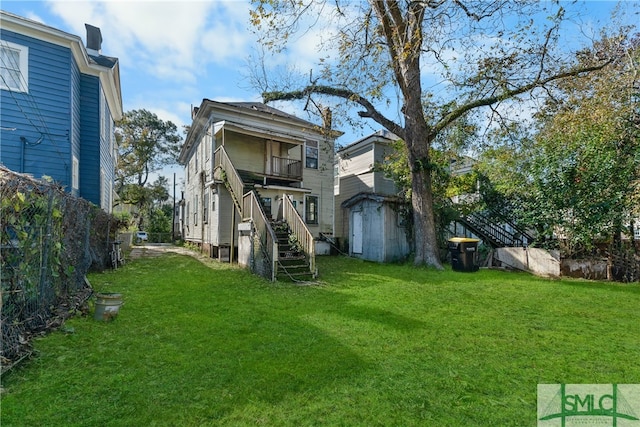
(48, 241)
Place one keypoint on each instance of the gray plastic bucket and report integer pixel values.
(107, 306)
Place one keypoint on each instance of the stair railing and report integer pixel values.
(496, 234)
(300, 230)
(231, 178)
(263, 228)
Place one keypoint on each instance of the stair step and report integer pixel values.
(285, 274)
(294, 266)
(289, 257)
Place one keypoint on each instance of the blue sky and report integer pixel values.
(175, 53)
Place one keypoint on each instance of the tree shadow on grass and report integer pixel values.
(238, 341)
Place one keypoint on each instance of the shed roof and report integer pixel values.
(370, 196)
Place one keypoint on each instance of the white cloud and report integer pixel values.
(167, 39)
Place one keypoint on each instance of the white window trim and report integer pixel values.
(316, 211)
(314, 146)
(23, 53)
(75, 173)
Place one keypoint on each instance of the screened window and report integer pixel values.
(205, 207)
(195, 210)
(14, 67)
(311, 154)
(311, 209)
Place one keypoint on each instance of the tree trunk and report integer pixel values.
(424, 231)
(424, 227)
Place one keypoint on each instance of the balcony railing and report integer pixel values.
(288, 168)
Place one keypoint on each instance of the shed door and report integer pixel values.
(356, 233)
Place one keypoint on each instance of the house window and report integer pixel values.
(205, 207)
(186, 216)
(311, 209)
(311, 154)
(104, 191)
(195, 210)
(75, 173)
(14, 67)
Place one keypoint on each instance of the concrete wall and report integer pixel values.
(537, 261)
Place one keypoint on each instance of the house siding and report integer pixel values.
(250, 139)
(43, 111)
(107, 153)
(320, 181)
(76, 124)
(356, 174)
(246, 153)
(55, 125)
(89, 148)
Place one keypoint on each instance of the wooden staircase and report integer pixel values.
(288, 244)
(293, 264)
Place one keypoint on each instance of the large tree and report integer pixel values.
(444, 59)
(146, 144)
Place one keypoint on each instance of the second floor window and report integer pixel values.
(311, 154)
(14, 67)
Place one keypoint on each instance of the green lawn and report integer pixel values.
(387, 345)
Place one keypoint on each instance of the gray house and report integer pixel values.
(368, 219)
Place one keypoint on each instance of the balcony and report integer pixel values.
(286, 168)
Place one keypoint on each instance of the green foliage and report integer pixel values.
(445, 185)
(576, 176)
(145, 144)
(374, 345)
(31, 226)
(160, 220)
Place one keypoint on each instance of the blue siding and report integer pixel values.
(90, 142)
(107, 147)
(42, 116)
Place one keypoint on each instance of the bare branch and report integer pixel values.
(506, 94)
(370, 110)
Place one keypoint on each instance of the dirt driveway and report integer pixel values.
(157, 249)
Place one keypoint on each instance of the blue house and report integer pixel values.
(58, 103)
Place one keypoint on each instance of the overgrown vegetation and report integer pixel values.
(48, 241)
(372, 345)
(579, 162)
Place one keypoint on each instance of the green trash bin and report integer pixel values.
(464, 254)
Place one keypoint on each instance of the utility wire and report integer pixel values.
(43, 129)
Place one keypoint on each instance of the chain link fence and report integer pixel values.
(48, 241)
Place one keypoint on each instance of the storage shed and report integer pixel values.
(376, 228)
